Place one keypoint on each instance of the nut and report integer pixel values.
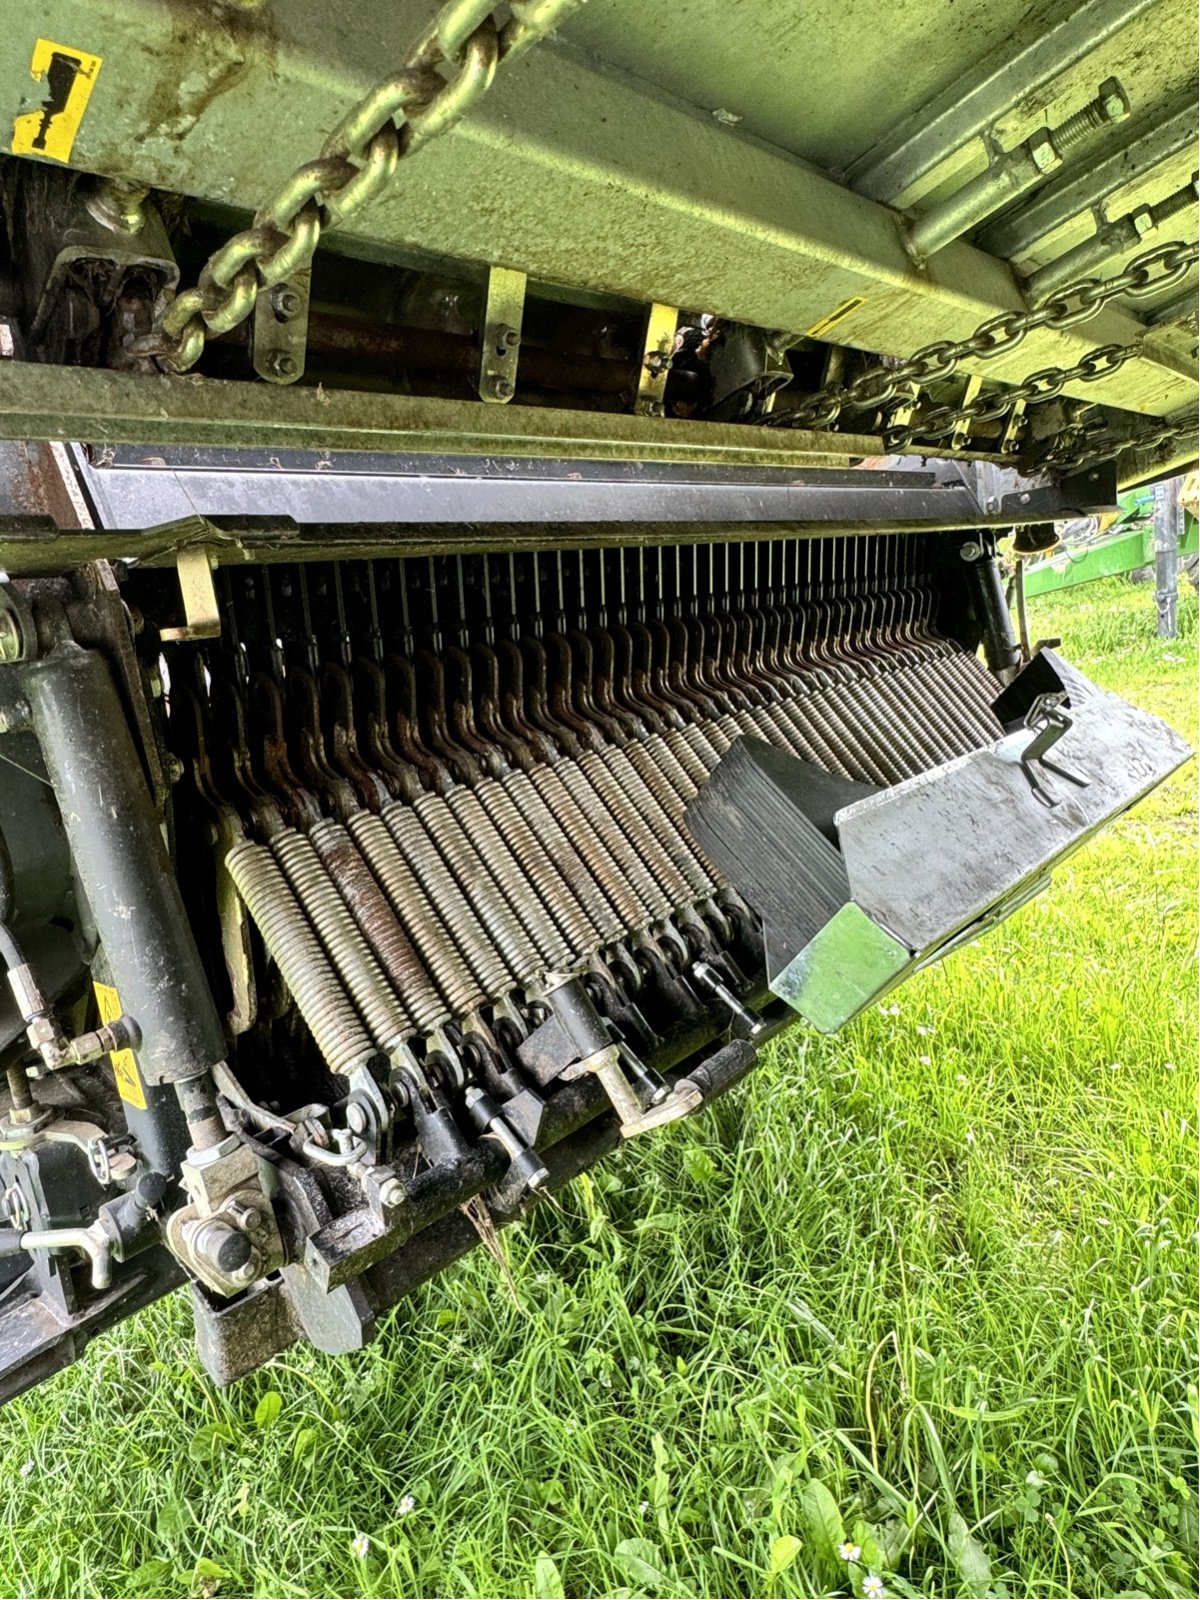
(285, 302)
(500, 388)
(1044, 151)
(282, 365)
(391, 1194)
(1143, 221)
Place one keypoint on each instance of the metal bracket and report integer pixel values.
(501, 335)
(194, 565)
(1049, 722)
(962, 427)
(280, 339)
(1014, 427)
(657, 349)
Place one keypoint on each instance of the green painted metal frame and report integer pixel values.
(1126, 549)
(580, 174)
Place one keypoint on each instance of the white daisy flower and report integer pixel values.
(872, 1586)
(848, 1551)
(360, 1546)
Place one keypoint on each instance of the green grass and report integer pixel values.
(930, 1286)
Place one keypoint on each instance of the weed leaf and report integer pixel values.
(547, 1580)
(823, 1519)
(640, 1561)
(268, 1408)
(784, 1551)
(209, 1440)
(969, 1557)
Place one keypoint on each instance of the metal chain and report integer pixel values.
(1074, 452)
(1045, 384)
(448, 69)
(1079, 302)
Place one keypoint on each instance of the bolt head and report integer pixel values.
(285, 302)
(356, 1117)
(246, 1273)
(970, 551)
(1044, 151)
(1114, 102)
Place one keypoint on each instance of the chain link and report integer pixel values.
(447, 71)
(889, 386)
(1080, 449)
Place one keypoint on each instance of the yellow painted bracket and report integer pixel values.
(194, 565)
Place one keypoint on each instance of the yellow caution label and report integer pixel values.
(124, 1063)
(69, 76)
(838, 314)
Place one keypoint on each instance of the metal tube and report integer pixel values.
(932, 132)
(1000, 647)
(1112, 239)
(1153, 140)
(1014, 173)
(121, 861)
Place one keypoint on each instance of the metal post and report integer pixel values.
(1168, 524)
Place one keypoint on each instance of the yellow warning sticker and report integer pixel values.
(820, 329)
(69, 76)
(124, 1063)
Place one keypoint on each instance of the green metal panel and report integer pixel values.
(1124, 551)
(571, 170)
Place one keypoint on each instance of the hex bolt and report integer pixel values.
(281, 365)
(1110, 105)
(1012, 174)
(356, 1117)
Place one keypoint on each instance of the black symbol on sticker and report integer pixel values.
(60, 80)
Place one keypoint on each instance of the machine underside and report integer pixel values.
(497, 622)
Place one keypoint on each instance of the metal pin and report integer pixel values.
(345, 650)
(275, 643)
(311, 649)
(435, 626)
(406, 633)
(489, 623)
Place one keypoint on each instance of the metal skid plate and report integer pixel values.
(937, 859)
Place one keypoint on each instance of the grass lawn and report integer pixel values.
(928, 1290)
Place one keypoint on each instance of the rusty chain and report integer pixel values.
(883, 386)
(1078, 449)
(447, 71)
